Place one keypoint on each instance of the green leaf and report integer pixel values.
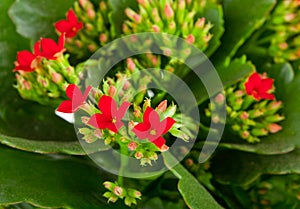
(34, 123)
(287, 139)
(240, 168)
(50, 181)
(241, 20)
(34, 19)
(214, 14)
(117, 16)
(193, 193)
(229, 74)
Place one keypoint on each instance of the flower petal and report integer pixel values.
(65, 106)
(100, 121)
(122, 110)
(141, 130)
(107, 105)
(266, 85)
(70, 90)
(159, 142)
(71, 17)
(169, 123)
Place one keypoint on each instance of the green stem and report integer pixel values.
(123, 163)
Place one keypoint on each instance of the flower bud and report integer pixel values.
(190, 39)
(103, 38)
(56, 78)
(169, 13)
(134, 193)
(155, 28)
(118, 191)
(220, 98)
(132, 146)
(91, 13)
(130, 64)
(85, 119)
(162, 106)
(109, 185)
(274, 128)
(200, 23)
(111, 91)
(98, 133)
(138, 155)
(244, 116)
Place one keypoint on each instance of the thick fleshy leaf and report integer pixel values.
(229, 74)
(50, 181)
(34, 19)
(193, 193)
(240, 168)
(214, 14)
(240, 23)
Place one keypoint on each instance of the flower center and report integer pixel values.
(114, 120)
(153, 132)
(74, 29)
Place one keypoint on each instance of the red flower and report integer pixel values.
(70, 26)
(76, 99)
(152, 128)
(111, 115)
(259, 87)
(48, 48)
(24, 61)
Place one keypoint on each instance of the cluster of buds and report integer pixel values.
(117, 192)
(183, 18)
(140, 132)
(44, 74)
(266, 192)
(86, 28)
(252, 111)
(285, 39)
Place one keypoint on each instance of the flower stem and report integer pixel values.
(123, 162)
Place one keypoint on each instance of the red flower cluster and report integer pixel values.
(111, 115)
(76, 99)
(70, 26)
(152, 128)
(259, 87)
(43, 48)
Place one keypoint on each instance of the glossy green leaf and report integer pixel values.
(35, 19)
(229, 74)
(214, 14)
(241, 20)
(50, 181)
(287, 139)
(193, 193)
(240, 168)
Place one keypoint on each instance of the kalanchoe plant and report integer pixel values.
(43, 75)
(179, 17)
(126, 117)
(252, 111)
(86, 27)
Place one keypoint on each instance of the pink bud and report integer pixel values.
(57, 78)
(200, 22)
(244, 116)
(169, 13)
(220, 98)
(132, 146)
(108, 185)
(275, 105)
(130, 64)
(85, 119)
(164, 148)
(189, 162)
(126, 85)
(289, 17)
(137, 18)
(103, 38)
(78, 44)
(138, 155)
(92, 47)
(26, 85)
(91, 13)
(245, 134)
(118, 191)
(89, 27)
(162, 106)
(283, 45)
(239, 93)
(98, 133)
(167, 52)
(155, 28)
(111, 91)
(274, 128)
